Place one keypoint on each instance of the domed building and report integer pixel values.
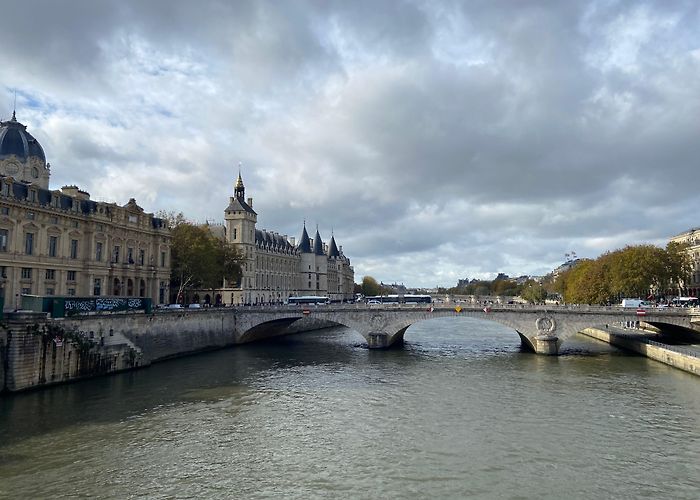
(60, 242)
(21, 155)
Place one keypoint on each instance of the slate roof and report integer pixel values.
(272, 240)
(318, 244)
(237, 205)
(15, 140)
(20, 191)
(333, 248)
(304, 242)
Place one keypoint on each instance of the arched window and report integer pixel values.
(116, 289)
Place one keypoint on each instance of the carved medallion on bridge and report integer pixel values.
(546, 325)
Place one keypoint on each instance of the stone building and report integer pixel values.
(275, 266)
(691, 237)
(60, 242)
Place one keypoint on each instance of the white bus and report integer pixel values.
(308, 299)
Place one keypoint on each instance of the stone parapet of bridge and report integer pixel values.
(541, 328)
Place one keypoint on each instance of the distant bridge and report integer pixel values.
(541, 328)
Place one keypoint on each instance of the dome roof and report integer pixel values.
(15, 140)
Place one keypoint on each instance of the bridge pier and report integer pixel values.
(378, 340)
(546, 344)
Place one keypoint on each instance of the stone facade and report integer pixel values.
(692, 239)
(60, 242)
(274, 267)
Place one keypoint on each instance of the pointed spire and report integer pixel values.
(14, 117)
(239, 189)
(304, 243)
(318, 244)
(333, 248)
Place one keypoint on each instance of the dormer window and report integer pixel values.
(32, 195)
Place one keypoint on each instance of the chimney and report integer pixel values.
(293, 241)
(250, 202)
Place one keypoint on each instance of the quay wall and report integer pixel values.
(652, 350)
(31, 358)
(36, 356)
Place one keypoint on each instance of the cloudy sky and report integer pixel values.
(438, 140)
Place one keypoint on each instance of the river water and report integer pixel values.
(458, 412)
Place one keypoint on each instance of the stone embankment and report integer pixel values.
(36, 351)
(641, 342)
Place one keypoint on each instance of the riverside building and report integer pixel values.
(276, 267)
(60, 242)
(691, 238)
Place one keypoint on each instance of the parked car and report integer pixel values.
(175, 306)
(194, 306)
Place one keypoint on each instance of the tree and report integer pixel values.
(634, 271)
(370, 286)
(678, 267)
(200, 260)
(533, 292)
(171, 218)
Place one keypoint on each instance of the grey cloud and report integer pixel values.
(435, 138)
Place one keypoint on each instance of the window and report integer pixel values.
(73, 249)
(55, 201)
(142, 256)
(5, 210)
(26, 273)
(49, 291)
(26, 290)
(162, 259)
(130, 255)
(133, 218)
(53, 245)
(100, 227)
(115, 254)
(31, 215)
(234, 233)
(29, 243)
(98, 251)
(4, 238)
(71, 291)
(50, 274)
(53, 220)
(71, 275)
(3, 271)
(6, 189)
(75, 223)
(97, 286)
(32, 195)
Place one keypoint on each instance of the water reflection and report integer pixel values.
(460, 410)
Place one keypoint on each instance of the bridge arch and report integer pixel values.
(541, 329)
(285, 324)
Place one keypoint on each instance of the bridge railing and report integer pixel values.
(581, 308)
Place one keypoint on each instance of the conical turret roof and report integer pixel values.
(304, 242)
(333, 248)
(318, 244)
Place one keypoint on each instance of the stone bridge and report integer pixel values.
(541, 328)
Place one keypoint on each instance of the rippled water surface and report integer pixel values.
(458, 412)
